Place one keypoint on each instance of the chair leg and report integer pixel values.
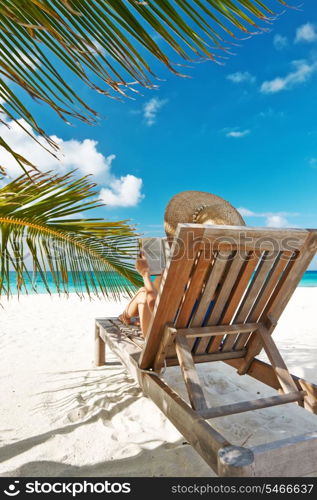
(100, 348)
(284, 377)
(190, 375)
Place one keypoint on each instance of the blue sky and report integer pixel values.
(245, 130)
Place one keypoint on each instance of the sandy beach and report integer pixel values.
(61, 416)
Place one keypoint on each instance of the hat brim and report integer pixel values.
(183, 206)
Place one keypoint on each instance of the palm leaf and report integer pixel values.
(106, 43)
(38, 218)
(23, 162)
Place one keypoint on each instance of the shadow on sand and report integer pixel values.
(160, 461)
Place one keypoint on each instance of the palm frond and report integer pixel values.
(88, 255)
(22, 162)
(110, 41)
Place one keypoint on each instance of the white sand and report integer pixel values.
(60, 416)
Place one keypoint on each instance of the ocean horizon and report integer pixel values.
(35, 284)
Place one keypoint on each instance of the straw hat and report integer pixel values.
(200, 208)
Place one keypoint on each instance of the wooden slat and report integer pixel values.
(193, 292)
(266, 292)
(237, 294)
(232, 272)
(282, 294)
(279, 366)
(133, 332)
(294, 456)
(256, 404)
(243, 281)
(190, 375)
(251, 295)
(167, 341)
(279, 301)
(171, 291)
(205, 331)
(272, 281)
(127, 329)
(208, 358)
(311, 397)
(210, 288)
(251, 238)
(216, 274)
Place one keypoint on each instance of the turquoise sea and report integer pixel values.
(35, 284)
(309, 280)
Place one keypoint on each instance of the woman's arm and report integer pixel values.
(142, 267)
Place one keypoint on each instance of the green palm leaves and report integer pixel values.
(106, 44)
(38, 224)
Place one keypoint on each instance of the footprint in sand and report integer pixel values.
(77, 414)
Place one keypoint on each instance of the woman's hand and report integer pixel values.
(142, 265)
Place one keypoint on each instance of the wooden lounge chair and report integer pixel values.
(222, 293)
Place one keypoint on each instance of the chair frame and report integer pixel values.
(235, 338)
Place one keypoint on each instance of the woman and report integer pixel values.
(187, 207)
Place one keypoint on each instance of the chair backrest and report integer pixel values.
(226, 275)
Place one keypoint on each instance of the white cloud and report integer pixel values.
(245, 212)
(81, 155)
(237, 134)
(277, 221)
(271, 113)
(303, 71)
(272, 219)
(306, 33)
(123, 192)
(85, 157)
(241, 76)
(280, 42)
(151, 109)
